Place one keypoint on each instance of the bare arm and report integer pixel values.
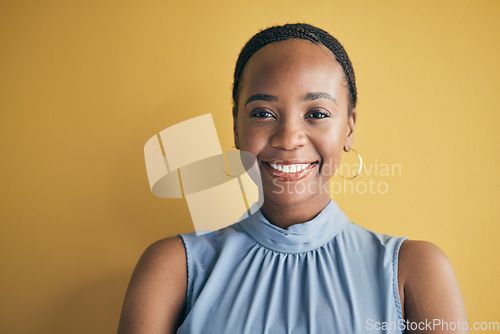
(429, 289)
(155, 298)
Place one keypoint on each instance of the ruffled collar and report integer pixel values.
(299, 237)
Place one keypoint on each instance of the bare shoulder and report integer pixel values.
(428, 286)
(164, 254)
(155, 298)
(418, 257)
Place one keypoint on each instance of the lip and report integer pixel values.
(286, 176)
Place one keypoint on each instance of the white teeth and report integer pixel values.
(289, 168)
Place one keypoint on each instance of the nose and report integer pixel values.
(289, 135)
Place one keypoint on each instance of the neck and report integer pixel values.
(286, 215)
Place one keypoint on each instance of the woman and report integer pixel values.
(298, 265)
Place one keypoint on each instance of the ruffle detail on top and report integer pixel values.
(297, 238)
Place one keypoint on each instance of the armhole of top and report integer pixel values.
(189, 290)
(395, 282)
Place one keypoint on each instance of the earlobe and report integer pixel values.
(235, 128)
(351, 124)
(236, 141)
(351, 121)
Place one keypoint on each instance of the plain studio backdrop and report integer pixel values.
(84, 85)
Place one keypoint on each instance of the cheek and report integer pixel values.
(251, 139)
(332, 159)
(332, 147)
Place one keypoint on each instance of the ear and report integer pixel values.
(351, 124)
(235, 128)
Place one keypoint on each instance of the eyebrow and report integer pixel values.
(308, 97)
(261, 97)
(318, 95)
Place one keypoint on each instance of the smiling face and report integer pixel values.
(292, 115)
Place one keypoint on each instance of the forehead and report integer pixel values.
(294, 47)
(292, 62)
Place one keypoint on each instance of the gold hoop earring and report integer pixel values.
(359, 170)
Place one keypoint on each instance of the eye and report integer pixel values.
(262, 113)
(318, 114)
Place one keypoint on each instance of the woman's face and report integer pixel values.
(292, 115)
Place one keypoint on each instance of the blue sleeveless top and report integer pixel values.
(327, 275)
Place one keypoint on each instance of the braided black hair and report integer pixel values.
(299, 31)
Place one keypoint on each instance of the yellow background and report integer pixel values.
(84, 84)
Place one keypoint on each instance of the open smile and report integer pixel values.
(287, 171)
